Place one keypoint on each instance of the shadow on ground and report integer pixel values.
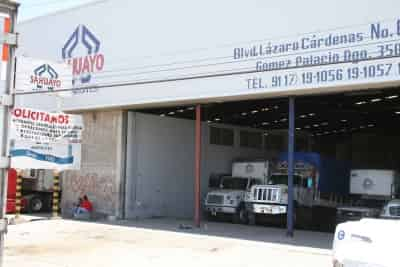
(272, 235)
(317, 240)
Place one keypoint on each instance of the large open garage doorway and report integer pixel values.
(334, 133)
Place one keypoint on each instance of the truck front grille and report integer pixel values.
(266, 194)
(215, 199)
(394, 211)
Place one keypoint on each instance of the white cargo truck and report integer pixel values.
(229, 198)
(271, 199)
(370, 189)
(318, 185)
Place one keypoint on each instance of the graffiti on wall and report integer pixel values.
(101, 188)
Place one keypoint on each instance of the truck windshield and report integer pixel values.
(234, 183)
(283, 179)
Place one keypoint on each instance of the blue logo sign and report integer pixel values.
(341, 235)
(92, 61)
(45, 76)
(368, 183)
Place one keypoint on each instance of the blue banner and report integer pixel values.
(41, 157)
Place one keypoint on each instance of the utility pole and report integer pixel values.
(8, 40)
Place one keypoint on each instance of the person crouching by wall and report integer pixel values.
(83, 209)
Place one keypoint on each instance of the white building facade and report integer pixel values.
(129, 55)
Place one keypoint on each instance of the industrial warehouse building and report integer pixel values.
(142, 71)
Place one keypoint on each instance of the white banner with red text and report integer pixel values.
(45, 127)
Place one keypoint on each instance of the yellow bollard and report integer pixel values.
(18, 194)
(56, 194)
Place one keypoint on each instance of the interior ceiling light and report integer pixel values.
(162, 115)
(362, 127)
(209, 121)
(180, 110)
(392, 97)
(371, 125)
(254, 111)
(265, 123)
(307, 126)
(276, 107)
(276, 121)
(311, 114)
(324, 123)
(244, 113)
(376, 100)
(326, 132)
(318, 134)
(361, 103)
(265, 109)
(334, 131)
(298, 129)
(284, 119)
(190, 108)
(343, 120)
(171, 113)
(397, 112)
(265, 134)
(217, 119)
(315, 125)
(303, 116)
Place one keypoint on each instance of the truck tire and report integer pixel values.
(209, 217)
(300, 218)
(36, 204)
(252, 218)
(241, 215)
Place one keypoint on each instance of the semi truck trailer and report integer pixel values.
(36, 191)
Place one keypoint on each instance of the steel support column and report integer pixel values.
(197, 167)
(291, 134)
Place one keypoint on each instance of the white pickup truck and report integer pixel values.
(229, 198)
(366, 243)
(391, 210)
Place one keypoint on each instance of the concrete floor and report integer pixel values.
(160, 242)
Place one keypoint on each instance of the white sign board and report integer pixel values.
(357, 57)
(257, 55)
(45, 127)
(36, 75)
(28, 154)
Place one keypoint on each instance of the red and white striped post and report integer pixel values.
(8, 12)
